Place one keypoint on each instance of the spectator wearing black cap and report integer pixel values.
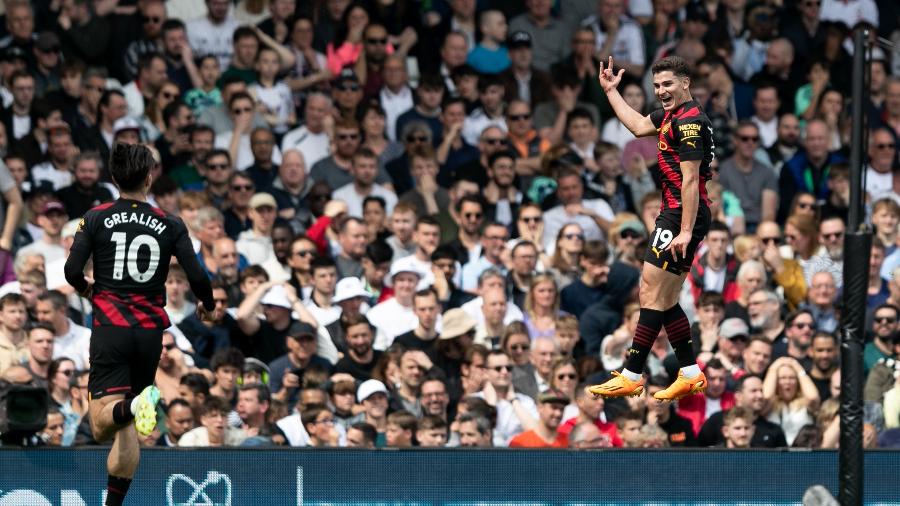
(288, 369)
(524, 81)
(549, 35)
(47, 59)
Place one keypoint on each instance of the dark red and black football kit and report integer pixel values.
(131, 243)
(684, 134)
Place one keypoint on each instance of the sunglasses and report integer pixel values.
(347, 137)
(571, 237)
(501, 368)
(520, 347)
(217, 166)
(304, 253)
(532, 219)
(748, 138)
(833, 236)
(629, 234)
(886, 146)
(519, 117)
(150, 19)
(169, 347)
(494, 142)
(885, 319)
(803, 325)
(67, 372)
(242, 188)
(349, 87)
(378, 42)
(470, 216)
(417, 138)
(565, 376)
(241, 110)
(770, 240)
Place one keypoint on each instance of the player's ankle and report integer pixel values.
(633, 376)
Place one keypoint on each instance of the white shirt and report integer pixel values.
(314, 147)
(476, 122)
(878, 184)
(279, 100)
(354, 200)
(21, 125)
(617, 133)
(176, 316)
(556, 218)
(850, 12)
(768, 130)
(629, 43)
(391, 319)
(394, 105)
(207, 38)
(45, 171)
(75, 345)
(323, 315)
(256, 249)
(200, 437)
(473, 309)
(244, 154)
(508, 425)
(293, 429)
(50, 252)
(134, 98)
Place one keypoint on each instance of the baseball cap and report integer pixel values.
(456, 322)
(519, 39)
(301, 329)
(125, 123)
(349, 288)
(553, 395)
(53, 205)
(368, 388)
(276, 296)
(255, 365)
(634, 226)
(734, 327)
(262, 200)
(47, 41)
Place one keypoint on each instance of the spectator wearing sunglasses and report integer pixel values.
(753, 183)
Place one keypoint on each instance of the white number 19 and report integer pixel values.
(662, 238)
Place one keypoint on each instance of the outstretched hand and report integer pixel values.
(610, 80)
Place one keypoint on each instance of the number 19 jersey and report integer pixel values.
(132, 244)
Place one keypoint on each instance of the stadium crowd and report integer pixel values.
(427, 225)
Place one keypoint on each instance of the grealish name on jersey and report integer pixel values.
(139, 218)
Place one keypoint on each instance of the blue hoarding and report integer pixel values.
(290, 477)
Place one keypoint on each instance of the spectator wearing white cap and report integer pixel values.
(395, 316)
(364, 169)
(267, 337)
(373, 396)
(256, 244)
(127, 130)
(350, 297)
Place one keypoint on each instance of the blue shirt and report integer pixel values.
(489, 61)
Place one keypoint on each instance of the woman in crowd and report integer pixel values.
(542, 306)
(564, 262)
(792, 396)
(516, 342)
(347, 45)
(372, 121)
(564, 377)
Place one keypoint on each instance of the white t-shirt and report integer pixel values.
(878, 184)
(314, 147)
(47, 172)
(21, 125)
(556, 218)
(354, 200)
(278, 100)
(394, 105)
(629, 43)
(391, 319)
(134, 98)
(256, 249)
(244, 155)
(508, 424)
(206, 38)
(74, 345)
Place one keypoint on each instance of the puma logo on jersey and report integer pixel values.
(691, 144)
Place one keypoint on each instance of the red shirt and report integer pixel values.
(531, 439)
(607, 428)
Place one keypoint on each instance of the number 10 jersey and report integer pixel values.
(132, 244)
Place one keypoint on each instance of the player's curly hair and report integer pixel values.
(129, 165)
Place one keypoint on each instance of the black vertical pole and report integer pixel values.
(857, 245)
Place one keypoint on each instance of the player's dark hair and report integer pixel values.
(674, 64)
(41, 326)
(710, 298)
(427, 220)
(356, 319)
(475, 199)
(129, 165)
(596, 252)
(195, 382)
(214, 405)
(163, 185)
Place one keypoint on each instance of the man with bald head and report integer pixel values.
(396, 96)
(779, 71)
(291, 187)
(882, 160)
(808, 170)
(229, 263)
(787, 141)
(491, 328)
(311, 139)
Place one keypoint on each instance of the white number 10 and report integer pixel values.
(119, 264)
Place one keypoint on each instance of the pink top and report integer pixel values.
(345, 55)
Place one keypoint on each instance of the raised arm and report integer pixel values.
(638, 124)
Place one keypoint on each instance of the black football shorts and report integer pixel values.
(668, 224)
(123, 360)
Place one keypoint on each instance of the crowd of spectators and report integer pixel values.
(426, 224)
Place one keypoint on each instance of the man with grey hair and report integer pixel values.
(820, 300)
(474, 431)
(534, 377)
(208, 226)
(491, 279)
(312, 138)
(586, 435)
(751, 276)
(764, 310)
